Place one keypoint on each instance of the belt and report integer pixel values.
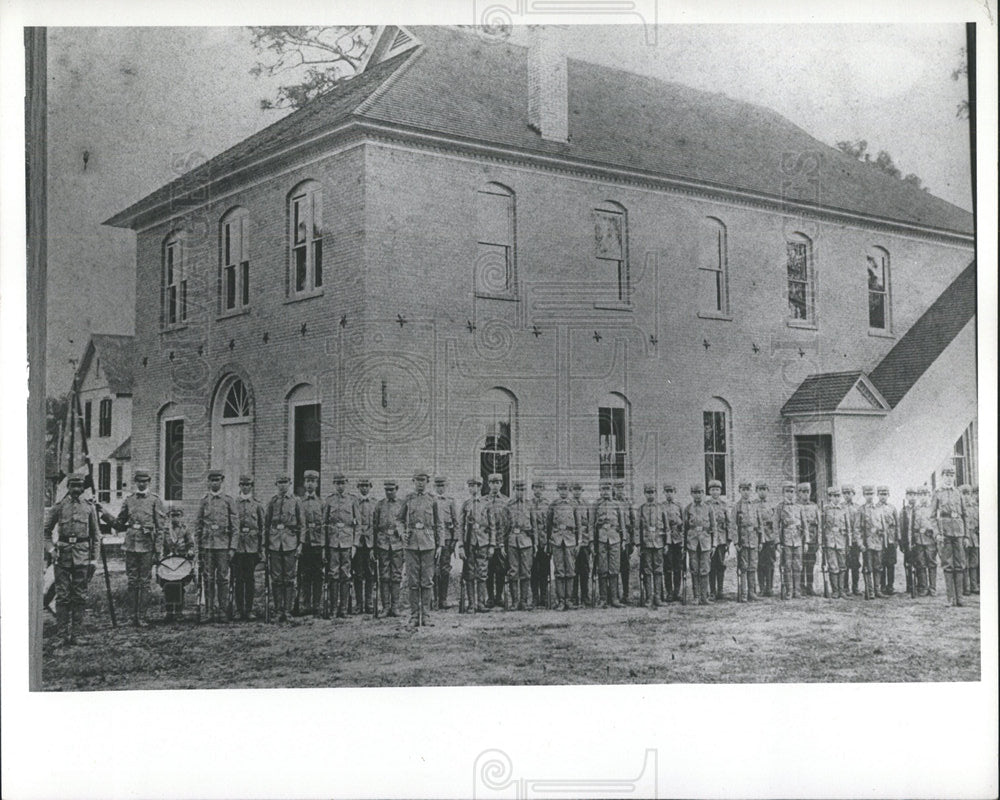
(74, 539)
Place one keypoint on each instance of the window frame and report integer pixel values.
(169, 480)
(720, 248)
(311, 245)
(88, 411)
(104, 418)
(104, 482)
(622, 277)
(884, 262)
(119, 481)
(612, 464)
(718, 409)
(234, 273)
(808, 282)
(483, 271)
(174, 305)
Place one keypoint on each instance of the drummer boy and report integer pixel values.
(177, 543)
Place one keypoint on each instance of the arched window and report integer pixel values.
(496, 453)
(612, 432)
(713, 270)
(174, 291)
(496, 252)
(801, 279)
(232, 430)
(171, 429)
(234, 260)
(879, 290)
(304, 433)
(717, 420)
(305, 238)
(611, 246)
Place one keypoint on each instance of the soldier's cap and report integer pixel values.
(883, 490)
(474, 482)
(216, 474)
(714, 484)
(440, 480)
(338, 477)
(364, 481)
(867, 490)
(912, 490)
(176, 511)
(762, 485)
(605, 484)
(282, 479)
(924, 490)
(74, 480)
(948, 471)
(390, 484)
(562, 484)
(311, 473)
(847, 488)
(669, 487)
(495, 477)
(421, 474)
(538, 484)
(787, 485)
(832, 490)
(619, 484)
(696, 488)
(649, 487)
(805, 486)
(244, 479)
(141, 475)
(519, 484)
(746, 485)
(576, 485)
(965, 489)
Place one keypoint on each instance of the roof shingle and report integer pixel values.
(822, 393)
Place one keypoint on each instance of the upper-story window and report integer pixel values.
(801, 292)
(174, 281)
(104, 418)
(713, 271)
(495, 245)
(234, 262)
(305, 212)
(611, 246)
(879, 295)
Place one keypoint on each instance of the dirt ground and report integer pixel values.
(806, 640)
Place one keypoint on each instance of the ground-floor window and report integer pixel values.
(104, 482)
(173, 459)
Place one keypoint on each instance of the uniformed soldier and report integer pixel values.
(619, 496)
(650, 536)
(746, 517)
(449, 521)
(608, 527)
(177, 542)
(970, 582)
(340, 531)
(363, 565)
(890, 522)
(857, 539)
(389, 546)
(873, 540)
(249, 546)
(698, 527)
(422, 536)
(313, 557)
(584, 558)
(948, 511)
(496, 504)
(810, 536)
(722, 535)
(540, 565)
(836, 525)
(215, 531)
(520, 546)
(562, 539)
(769, 541)
(284, 543)
(143, 517)
(906, 544)
(917, 539)
(477, 546)
(74, 556)
(674, 551)
(924, 502)
(791, 533)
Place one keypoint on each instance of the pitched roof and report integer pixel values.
(124, 451)
(927, 338)
(116, 354)
(458, 85)
(821, 393)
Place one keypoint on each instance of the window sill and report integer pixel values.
(613, 305)
(715, 315)
(511, 297)
(173, 328)
(239, 312)
(297, 296)
(804, 324)
(881, 334)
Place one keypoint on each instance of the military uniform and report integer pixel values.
(562, 539)
(143, 517)
(284, 543)
(340, 531)
(497, 571)
(791, 532)
(746, 517)
(249, 545)
(628, 512)
(363, 564)
(769, 540)
(74, 556)
(722, 535)
(836, 525)
(890, 522)
(449, 522)
(810, 537)
(854, 550)
(176, 542)
(313, 557)
(873, 539)
(608, 528)
(478, 544)
(581, 576)
(970, 582)
(698, 528)
(520, 546)
(422, 536)
(650, 536)
(948, 511)
(917, 537)
(540, 564)
(674, 551)
(389, 547)
(215, 531)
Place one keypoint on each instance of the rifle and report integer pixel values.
(824, 568)
(298, 575)
(740, 573)
(107, 580)
(378, 579)
(684, 573)
(910, 558)
(200, 579)
(232, 592)
(593, 576)
(267, 587)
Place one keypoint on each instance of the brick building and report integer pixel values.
(476, 256)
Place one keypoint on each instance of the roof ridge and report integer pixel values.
(385, 85)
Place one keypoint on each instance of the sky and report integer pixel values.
(143, 102)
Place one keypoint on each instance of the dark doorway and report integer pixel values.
(306, 447)
(814, 463)
(495, 456)
(173, 459)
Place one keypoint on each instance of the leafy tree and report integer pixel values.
(959, 73)
(318, 56)
(883, 161)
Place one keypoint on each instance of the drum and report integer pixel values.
(175, 569)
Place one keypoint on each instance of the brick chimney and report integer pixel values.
(548, 111)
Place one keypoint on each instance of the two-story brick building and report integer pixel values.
(476, 256)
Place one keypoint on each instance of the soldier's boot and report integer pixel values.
(342, 597)
(656, 595)
(957, 577)
(796, 583)
(368, 598)
(63, 622)
(786, 587)
(854, 581)
(443, 603)
(481, 599)
(921, 578)
(613, 593)
(426, 596)
(602, 588)
(932, 581)
(701, 588)
(525, 604)
(890, 579)
(973, 580)
(965, 582)
(808, 581)
(76, 617)
(909, 579)
(876, 580)
(949, 588)
(751, 579)
(512, 596)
